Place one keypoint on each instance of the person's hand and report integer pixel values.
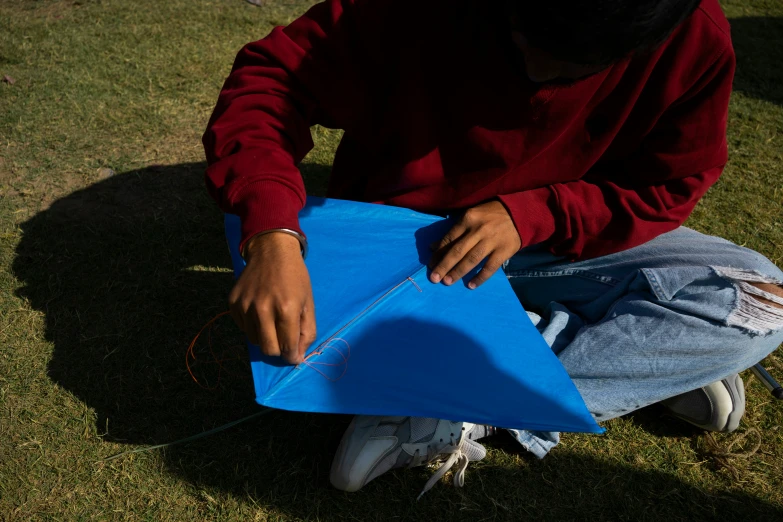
(272, 301)
(484, 232)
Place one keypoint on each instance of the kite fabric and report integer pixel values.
(392, 343)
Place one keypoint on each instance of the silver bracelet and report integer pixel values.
(302, 240)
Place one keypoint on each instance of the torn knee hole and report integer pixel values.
(759, 305)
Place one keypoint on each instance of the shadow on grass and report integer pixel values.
(127, 271)
(118, 271)
(758, 43)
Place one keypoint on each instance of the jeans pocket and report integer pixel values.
(697, 291)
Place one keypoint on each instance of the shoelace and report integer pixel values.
(457, 457)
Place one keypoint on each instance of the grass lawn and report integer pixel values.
(112, 257)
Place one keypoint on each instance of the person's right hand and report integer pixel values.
(272, 301)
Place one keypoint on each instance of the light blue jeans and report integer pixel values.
(639, 326)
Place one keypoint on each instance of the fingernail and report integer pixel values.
(472, 285)
(435, 278)
(447, 280)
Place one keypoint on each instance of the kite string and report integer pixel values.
(191, 438)
(190, 353)
(320, 350)
(371, 305)
(328, 342)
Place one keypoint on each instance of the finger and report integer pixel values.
(439, 247)
(267, 336)
(455, 252)
(470, 261)
(494, 262)
(307, 327)
(287, 326)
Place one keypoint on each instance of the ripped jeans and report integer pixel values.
(640, 326)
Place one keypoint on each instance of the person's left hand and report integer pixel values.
(484, 232)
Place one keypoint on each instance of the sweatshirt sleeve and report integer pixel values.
(626, 203)
(296, 77)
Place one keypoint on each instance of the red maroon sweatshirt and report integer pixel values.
(439, 115)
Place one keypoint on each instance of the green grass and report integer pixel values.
(105, 278)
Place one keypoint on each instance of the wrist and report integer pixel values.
(276, 239)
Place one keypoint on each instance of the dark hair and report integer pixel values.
(598, 32)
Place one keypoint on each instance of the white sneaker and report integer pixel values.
(716, 407)
(373, 445)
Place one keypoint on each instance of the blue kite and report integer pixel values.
(390, 342)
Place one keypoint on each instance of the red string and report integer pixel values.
(320, 350)
(191, 354)
(326, 345)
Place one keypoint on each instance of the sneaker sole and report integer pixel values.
(727, 403)
(737, 394)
